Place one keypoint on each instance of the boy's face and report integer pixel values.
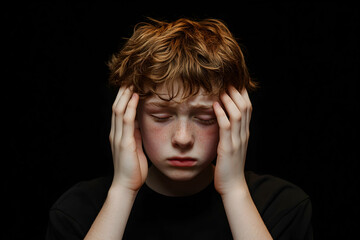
(180, 138)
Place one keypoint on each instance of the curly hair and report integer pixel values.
(199, 54)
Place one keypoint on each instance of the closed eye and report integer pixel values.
(160, 117)
(206, 121)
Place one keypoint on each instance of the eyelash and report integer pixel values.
(208, 121)
(160, 119)
(202, 121)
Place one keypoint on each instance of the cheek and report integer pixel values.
(155, 134)
(209, 138)
(154, 138)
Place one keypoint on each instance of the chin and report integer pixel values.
(181, 175)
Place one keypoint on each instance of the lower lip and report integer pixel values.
(182, 163)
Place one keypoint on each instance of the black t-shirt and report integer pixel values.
(285, 209)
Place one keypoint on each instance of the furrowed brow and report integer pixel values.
(201, 106)
(161, 104)
(172, 105)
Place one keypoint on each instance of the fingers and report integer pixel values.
(243, 104)
(114, 106)
(224, 126)
(123, 117)
(238, 108)
(235, 114)
(118, 96)
(129, 122)
(245, 95)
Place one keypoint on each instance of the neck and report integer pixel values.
(160, 183)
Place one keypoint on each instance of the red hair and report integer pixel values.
(201, 54)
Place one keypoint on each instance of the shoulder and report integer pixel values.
(80, 205)
(265, 188)
(91, 191)
(281, 204)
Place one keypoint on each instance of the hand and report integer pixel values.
(234, 136)
(130, 163)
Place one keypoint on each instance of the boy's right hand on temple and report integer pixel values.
(130, 163)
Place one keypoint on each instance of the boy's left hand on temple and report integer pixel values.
(234, 133)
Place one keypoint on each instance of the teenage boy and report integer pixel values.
(183, 106)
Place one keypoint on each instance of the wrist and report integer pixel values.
(117, 190)
(237, 189)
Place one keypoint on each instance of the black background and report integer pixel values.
(58, 105)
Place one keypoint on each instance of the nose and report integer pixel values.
(183, 138)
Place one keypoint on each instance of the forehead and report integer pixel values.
(197, 101)
(201, 99)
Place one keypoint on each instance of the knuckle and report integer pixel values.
(113, 108)
(226, 126)
(244, 136)
(250, 107)
(236, 143)
(127, 145)
(237, 116)
(243, 107)
(127, 120)
(121, 145)
(118, 111)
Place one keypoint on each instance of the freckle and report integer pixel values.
(205, 135)
(160, 133)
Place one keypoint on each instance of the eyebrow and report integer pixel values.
(172, 105)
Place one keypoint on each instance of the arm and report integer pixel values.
(111, 221)
(130, 169)
(244, 219)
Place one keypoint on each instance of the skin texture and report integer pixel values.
(174, 129)
(180, 128)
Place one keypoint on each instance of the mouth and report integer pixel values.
(182, 161)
